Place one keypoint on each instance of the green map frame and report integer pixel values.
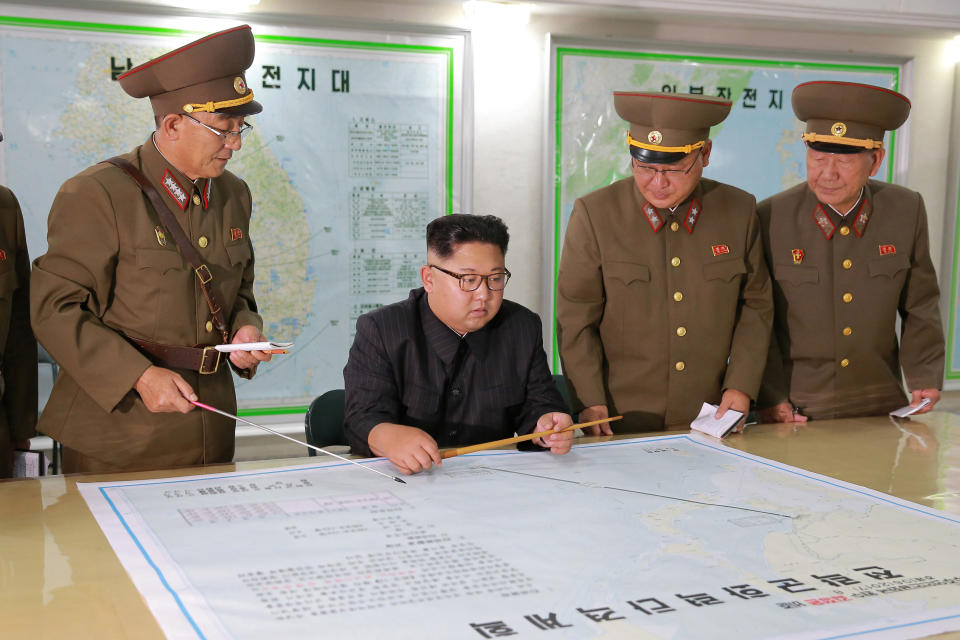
(556, 180)
(446, 52)
(952, 373)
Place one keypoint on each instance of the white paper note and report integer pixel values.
(717, 428)
(903, 412)
(253, 346)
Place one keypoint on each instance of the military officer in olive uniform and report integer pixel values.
(114, 299)
(847, 256)
(664, 299)
(18, 368)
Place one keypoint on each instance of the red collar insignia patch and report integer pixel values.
(174, 189)
(824, 222)
(655, 219)
(863, 217)
(693, 214)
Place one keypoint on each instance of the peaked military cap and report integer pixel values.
(205, 75)
(664, 127)
(846, 117)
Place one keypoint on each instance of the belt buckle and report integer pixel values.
(204, 370)
(203, 273)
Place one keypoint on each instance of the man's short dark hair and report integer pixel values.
(447, 232)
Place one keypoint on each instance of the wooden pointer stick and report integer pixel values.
(450, 453)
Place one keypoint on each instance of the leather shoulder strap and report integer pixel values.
(187, 250)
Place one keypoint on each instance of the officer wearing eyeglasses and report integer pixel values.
(114, 280)
(663, 301)
(454, 364)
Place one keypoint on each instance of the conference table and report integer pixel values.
(59, 577)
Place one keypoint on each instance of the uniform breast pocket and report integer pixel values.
(628, 296)
(154, 288)
(888, 266)
(231, 274)
(796, 275)
(725, 271)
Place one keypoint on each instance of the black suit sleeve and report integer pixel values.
(372, 395)
(542, 395)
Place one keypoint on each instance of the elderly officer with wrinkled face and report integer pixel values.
(118, 301)
(848, 255)
(663, 296)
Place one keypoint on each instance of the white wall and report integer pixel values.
(510, 72)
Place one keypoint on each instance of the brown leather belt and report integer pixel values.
(203, 359)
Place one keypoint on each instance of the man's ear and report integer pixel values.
(705, 152)
(426, 277)
(877, 160)
(170, 125)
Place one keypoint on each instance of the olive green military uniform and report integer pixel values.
(112, 272)
(840, 282)
(18, 384)
(652, 303)
(659, 311)
(839, 285)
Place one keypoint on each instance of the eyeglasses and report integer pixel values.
(471, 281)
(225, 136)
(646, 173)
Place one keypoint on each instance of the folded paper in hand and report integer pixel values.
(715, 427)
(253, 346)
(903, 412)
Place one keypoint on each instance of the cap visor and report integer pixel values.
(249, 109)
(656, 157)
(829, 147)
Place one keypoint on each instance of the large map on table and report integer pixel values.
(669, 537)
(353, 154)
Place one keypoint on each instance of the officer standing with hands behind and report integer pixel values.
(150, 254)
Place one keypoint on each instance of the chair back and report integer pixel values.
(323, 424)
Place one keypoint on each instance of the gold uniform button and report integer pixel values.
(847, 263)
(845, 363)
(681, 331)
(196, 199)
(677, 296)
(847, 331)
(208, 326)
(679, 366)
(203, 242)
(675, 261)
(674, 226)
(844, 230)
(847, 297)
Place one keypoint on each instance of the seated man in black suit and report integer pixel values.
(454, 364)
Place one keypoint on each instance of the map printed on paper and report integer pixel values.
(529, 545)
(348, 162)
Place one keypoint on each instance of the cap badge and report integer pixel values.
(239, 85)
(797, 256)
(161, 236)
(720, 249)
(888, 250)
(839, 129)
(235, 234)
(655, 137)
